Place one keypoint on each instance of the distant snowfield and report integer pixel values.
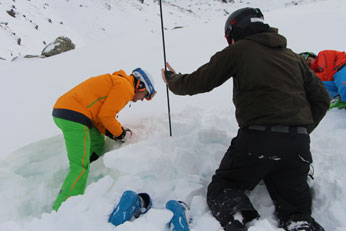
(25, 32)
(33, 160)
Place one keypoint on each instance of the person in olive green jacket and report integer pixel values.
(279, 101)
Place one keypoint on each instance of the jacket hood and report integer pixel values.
(269, 39)
(123, 74)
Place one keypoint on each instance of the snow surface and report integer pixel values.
(33, 162)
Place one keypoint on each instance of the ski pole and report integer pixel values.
(164, 58)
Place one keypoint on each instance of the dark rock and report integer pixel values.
(11, 13)
(60, 45)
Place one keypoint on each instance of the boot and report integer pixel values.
(179, 221)
(235, 226)
(130, 206)
(310, 225)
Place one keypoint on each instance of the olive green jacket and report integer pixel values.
(272, 85)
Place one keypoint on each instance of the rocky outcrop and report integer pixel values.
(60, 45)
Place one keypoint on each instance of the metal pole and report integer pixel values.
(164, 58)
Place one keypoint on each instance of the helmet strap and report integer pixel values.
(229, 40)
(137, 88)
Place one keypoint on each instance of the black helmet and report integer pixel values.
(241, 19)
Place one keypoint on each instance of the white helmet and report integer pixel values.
(145, 78)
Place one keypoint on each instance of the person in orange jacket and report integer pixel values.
(87, 113)
(329, 66)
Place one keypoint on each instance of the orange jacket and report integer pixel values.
(327, 63)
(100, 98)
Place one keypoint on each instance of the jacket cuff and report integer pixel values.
(169, 75)
(110, 135)
(122, 135)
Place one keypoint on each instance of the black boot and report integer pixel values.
(301, 225)
(235, 226)
(94, 157)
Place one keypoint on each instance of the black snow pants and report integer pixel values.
(281, 160)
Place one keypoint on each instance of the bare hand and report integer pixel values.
(163, 72)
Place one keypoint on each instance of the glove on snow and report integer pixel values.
(125, 136)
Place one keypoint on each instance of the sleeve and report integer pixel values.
(116, 100)
(320, 67)
(204, 79)
(340, 61)
(317, 96)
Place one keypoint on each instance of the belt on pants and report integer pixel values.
(280, 128)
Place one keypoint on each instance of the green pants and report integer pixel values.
(80, 143)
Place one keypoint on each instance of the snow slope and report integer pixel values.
(27, 26)
(33, 159)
